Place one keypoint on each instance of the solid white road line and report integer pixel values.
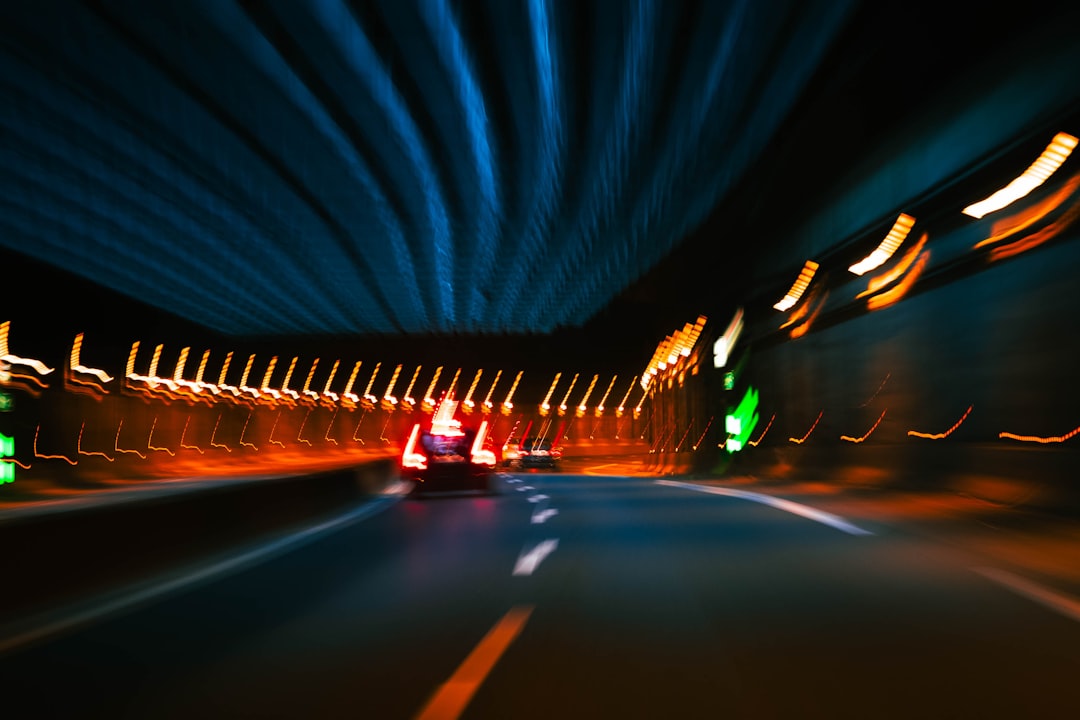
(528, 561)
(779, 503)
(1057, 601)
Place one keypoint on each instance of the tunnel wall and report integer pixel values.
(964, 357)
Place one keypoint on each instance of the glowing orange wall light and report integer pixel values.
(1037, 173)
(798, 288)
(887, 247)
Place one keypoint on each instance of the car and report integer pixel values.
(446, 456)
(532, 452)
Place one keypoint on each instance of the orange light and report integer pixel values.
(1044, 440)
(848, 438)
(799, 287)
(898, 291)
(887, 247)
(800, 441)
(947, 433)
(754, 443)
(1037, 173)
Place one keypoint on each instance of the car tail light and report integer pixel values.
(410, 458)
(480, 454)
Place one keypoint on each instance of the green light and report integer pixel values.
(742, 421)
(7, 449)
(7, 402)
(729, 380)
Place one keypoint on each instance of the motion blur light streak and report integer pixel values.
(1044, 440)
(1039, 237)
(898, 291)
(947, 433)
(1007, 227)
(817, 300)
(800, 441)
(883, 281)
(116, 444)
(878, 391)
(65, 458)
(150, 440)
(798, 287)
(887, 247)
(1044, 166)
(85, 452)
(755, 443)
(183, 437)
(850, 439)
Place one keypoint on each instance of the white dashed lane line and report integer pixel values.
(529, 560)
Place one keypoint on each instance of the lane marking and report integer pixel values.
(538, 498)
(98, 609)
(528, 561)
(452, 696)
(794, 508)
(541, 516)
(1057, 601)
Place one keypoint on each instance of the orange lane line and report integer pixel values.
(452, 696)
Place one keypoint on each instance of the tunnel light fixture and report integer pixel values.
(566, 397)
(545, 406)
(583, 405)
(429, 400)
(409, 399)
(887, 247)
(723, 345)
(942, 435)
(487, 404)
(798, 288)
(507, 404)
(603, 400)
(1044, 166)
(468, 401)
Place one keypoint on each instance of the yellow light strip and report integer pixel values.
(947, 433)
(269, 373)
(428, 399)
(887, 247)
(388, 396)
(799, 287)
(625, 397)
(371, 381)
(544, 406)
(472, 388)
(408, 391)
(224, 368)
(181, 361)
(507, 404)
(562, 405)
(588, 392)
(868, 432)
(6, 356)
(1044, 166)
(491, 390)
(333, 372)
(600, 407)
(453, 384)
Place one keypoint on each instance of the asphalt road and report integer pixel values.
(578, 596)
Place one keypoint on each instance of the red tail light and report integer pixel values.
(410, 458)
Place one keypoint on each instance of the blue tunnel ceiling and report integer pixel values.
(341, 168)
(407, 169)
